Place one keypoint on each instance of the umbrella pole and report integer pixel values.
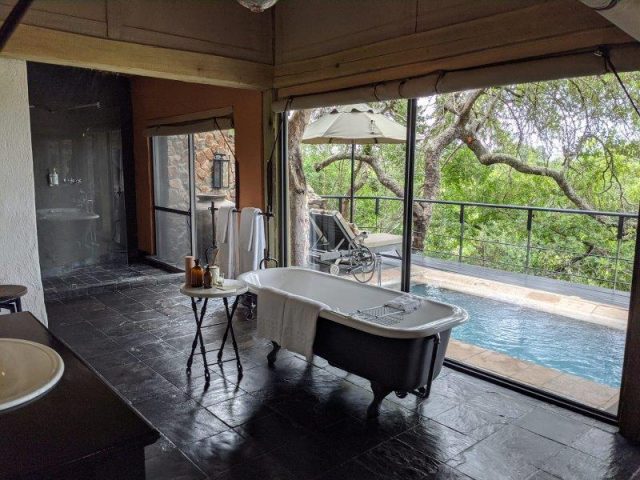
(353, 163)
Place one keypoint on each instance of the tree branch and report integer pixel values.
(485, 157)
(373, 162)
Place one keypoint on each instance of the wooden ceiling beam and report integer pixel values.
(513, 33)
(374, 72)
(62, 48)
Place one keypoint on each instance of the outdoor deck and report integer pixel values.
(587, 292)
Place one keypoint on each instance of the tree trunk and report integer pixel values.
(430, 191)
(298, 190)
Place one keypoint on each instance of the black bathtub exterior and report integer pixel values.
(390, 364)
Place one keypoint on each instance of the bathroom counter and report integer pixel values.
(79, 429)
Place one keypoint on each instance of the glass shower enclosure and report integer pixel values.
(76, 126)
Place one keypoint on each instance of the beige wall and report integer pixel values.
(19, 261)
(154, 99)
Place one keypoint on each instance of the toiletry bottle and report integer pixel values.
(53, 178)
(197, 275)
(208, 277)
(188, 265)
(216, 274)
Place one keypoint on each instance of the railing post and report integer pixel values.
(377, 213)
(407, 220)
(283, 185)
(461, 238)
(340, 204)
(617, 258)
(528, 256)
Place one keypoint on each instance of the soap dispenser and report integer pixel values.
(53, 178)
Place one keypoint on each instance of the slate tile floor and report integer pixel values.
(306, 421)
(98, 279)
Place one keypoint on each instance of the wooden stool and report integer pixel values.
(10, 297)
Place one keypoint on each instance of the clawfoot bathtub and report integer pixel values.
(401, 353)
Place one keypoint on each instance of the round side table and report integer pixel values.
(230, 288)
(10, 297)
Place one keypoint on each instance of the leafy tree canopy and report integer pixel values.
(572, 143)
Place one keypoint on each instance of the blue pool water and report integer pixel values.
(588, 350)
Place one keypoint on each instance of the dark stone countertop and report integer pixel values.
(80, 420)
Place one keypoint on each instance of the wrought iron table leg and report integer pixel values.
(198, 338)
(229, 328)
(195, 338)
(233, 335)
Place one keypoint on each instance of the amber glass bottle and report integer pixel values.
(197, 275)
(208, 277)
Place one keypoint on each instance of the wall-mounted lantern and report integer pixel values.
(220, 178)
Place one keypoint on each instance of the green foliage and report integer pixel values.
(584, 126)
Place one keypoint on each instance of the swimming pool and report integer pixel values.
(584, 349)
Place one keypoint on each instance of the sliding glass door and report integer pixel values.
(523, 213)
(346, 214)
(523, 217)
(172, 169)
(190, 171)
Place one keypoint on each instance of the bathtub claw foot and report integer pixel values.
(273, 354)
(248, 301)
(379, 392)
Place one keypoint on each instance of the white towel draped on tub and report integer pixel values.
(227, 239)
(270, 312)
(289, 320)
(252, 239)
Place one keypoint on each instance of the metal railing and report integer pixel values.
(620, 228)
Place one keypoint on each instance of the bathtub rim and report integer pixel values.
(457, 316)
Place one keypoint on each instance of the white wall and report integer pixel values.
(19, 262)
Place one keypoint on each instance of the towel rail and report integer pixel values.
(267, 259)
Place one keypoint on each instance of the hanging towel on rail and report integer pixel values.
(227, 239)
(251, 239)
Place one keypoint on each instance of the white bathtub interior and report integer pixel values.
(346, 297)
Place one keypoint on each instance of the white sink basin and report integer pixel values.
(27, 370)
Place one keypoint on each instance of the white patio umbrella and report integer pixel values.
(354, 125)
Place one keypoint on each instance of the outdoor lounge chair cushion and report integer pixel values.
(338, 233)
(379, 240)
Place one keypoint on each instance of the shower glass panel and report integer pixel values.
(76, 118)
